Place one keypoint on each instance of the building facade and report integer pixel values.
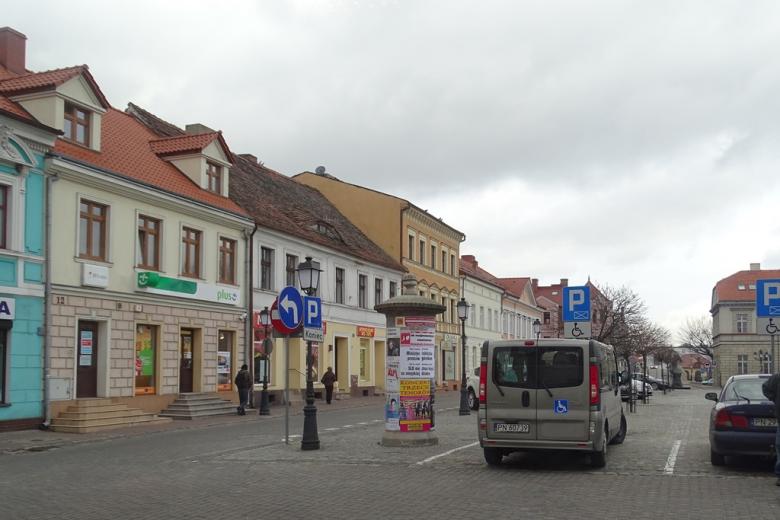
(484, 293)
(425, 245)
(294, 222)
(519, 309)
(737, 348)
(23, 145)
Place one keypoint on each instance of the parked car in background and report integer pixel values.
(640, 389)
(654, 382)
(472, 384)
(707, 382)
(742, 422)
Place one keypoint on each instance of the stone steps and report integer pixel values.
(93, 415)
(196, 405)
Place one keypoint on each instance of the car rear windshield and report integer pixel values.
(745, 389)
(532, 367)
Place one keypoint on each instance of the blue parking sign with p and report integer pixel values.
(312, 312)
(576, 304)
(768, 298)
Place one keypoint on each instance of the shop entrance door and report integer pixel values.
(86, 360)
(186, 363)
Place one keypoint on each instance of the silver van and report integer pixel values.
(557, 394)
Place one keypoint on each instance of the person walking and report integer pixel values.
(771, 389)
(243, 383)
(328, 379)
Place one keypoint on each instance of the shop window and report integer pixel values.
(364, 360)
(93, 222)
(224, 360)
(145, 359)
(227, 261)
(148, 245)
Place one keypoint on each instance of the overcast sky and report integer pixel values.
(637, 143)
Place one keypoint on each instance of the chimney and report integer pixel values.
(469, 259)
(755, 267)
(535, 283)
(13, 45)
(197, 129)
(249, 157)
(564, 282)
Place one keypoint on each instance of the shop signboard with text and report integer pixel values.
(155, 283)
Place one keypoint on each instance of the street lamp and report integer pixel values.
(265, 321)
(309, 279)
(463, 315)
(537, 326)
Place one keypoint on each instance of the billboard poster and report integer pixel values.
(392, 412)
(415, 405)
(392, 379)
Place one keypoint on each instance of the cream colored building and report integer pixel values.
(425, 245)
(147, 283)
(484, 293)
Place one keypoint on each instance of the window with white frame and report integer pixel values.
(473, 315)
(266, 268)
(742, 322)
(742, 364)
(481, 317)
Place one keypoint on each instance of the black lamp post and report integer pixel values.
(309, 279)
(463, 314)
(537, 326)
(265, 321)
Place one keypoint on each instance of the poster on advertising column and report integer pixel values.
(415, 406)
(418, 348)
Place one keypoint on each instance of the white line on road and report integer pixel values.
(429, 459)
(669, 468)
(331, 429)
(362, 423)
(348, 426)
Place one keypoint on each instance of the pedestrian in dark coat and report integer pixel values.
(243, 383)
(771, 389)
(328, 379)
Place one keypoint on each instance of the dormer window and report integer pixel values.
(76, 125)
(214, 174)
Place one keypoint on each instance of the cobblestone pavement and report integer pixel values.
(241, 469)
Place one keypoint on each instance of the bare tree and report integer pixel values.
(619, 314)
(696, 335)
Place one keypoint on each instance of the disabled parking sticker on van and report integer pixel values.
(561, 406)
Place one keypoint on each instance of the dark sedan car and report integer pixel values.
(743, 420)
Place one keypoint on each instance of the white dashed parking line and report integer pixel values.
(670, 462)
(429, 459)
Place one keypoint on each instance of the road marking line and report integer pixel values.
(377, 420)
(429, 459)
(362, 423)
(348, 426)
(331, 429)
(670, 462)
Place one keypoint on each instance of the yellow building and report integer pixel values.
(423, 243)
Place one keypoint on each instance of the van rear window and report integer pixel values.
(537, 367)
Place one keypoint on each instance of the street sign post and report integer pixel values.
(576, 312)
(312, 319)
(768, 313)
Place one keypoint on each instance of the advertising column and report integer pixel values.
(410, 408)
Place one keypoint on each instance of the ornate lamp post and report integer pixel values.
(265, 321)
(309, 279)
(463, 314)
(537, 326)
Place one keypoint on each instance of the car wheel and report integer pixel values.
(493, 456)
(473, 401)
(717, 459)
(621, 434)
(598, 459)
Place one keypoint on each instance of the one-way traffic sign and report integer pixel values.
(290, 307)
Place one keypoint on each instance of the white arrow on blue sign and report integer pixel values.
(290, 307)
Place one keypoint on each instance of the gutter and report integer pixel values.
(47, 309)
(250, 303)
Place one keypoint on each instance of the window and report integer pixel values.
(444, 261)
(422, 252)
(145, 359)
(227, 260)
(266, 268)
(224, 361)
(393, 289)
(481, 317)
(446, 314)
(362, 300)
(411, 247)
(452, 265)
(377, 291)
(290, 271)
(76, 124)
(148, 243)
(4, 216)
(742, 364)
(453, 312)
(433, 256)
(190, 265)
(766, 364)
(473, 315)
(339, 285)
(556, 367)
(92, 230)
(214, 175)
(363, 360)
(546, 318)
(742, 323)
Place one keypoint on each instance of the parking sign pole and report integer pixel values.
(287, 389)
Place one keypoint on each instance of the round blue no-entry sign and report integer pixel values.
(290, 307)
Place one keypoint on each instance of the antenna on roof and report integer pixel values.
(320, 170)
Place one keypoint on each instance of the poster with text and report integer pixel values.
(415, 413)
(392, 411)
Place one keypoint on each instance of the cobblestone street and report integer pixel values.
(244, 470)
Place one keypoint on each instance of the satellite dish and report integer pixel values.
(320, 170)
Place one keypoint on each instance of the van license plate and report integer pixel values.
(765, 422)
(511, 428)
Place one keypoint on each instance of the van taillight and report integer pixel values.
(482, 380)
(724, 420)
(594, 385)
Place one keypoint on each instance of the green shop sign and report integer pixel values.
(155, 283)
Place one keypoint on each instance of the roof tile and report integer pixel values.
(728, 289)
(37, 81)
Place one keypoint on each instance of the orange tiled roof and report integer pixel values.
(514, 286)
(9, 106)
(5, 73)
(38, 81)
(728, 289)
(125, 150)
(182, 144)
(470, 267)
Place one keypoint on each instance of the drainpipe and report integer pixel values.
(249, 323)
(50, 179)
